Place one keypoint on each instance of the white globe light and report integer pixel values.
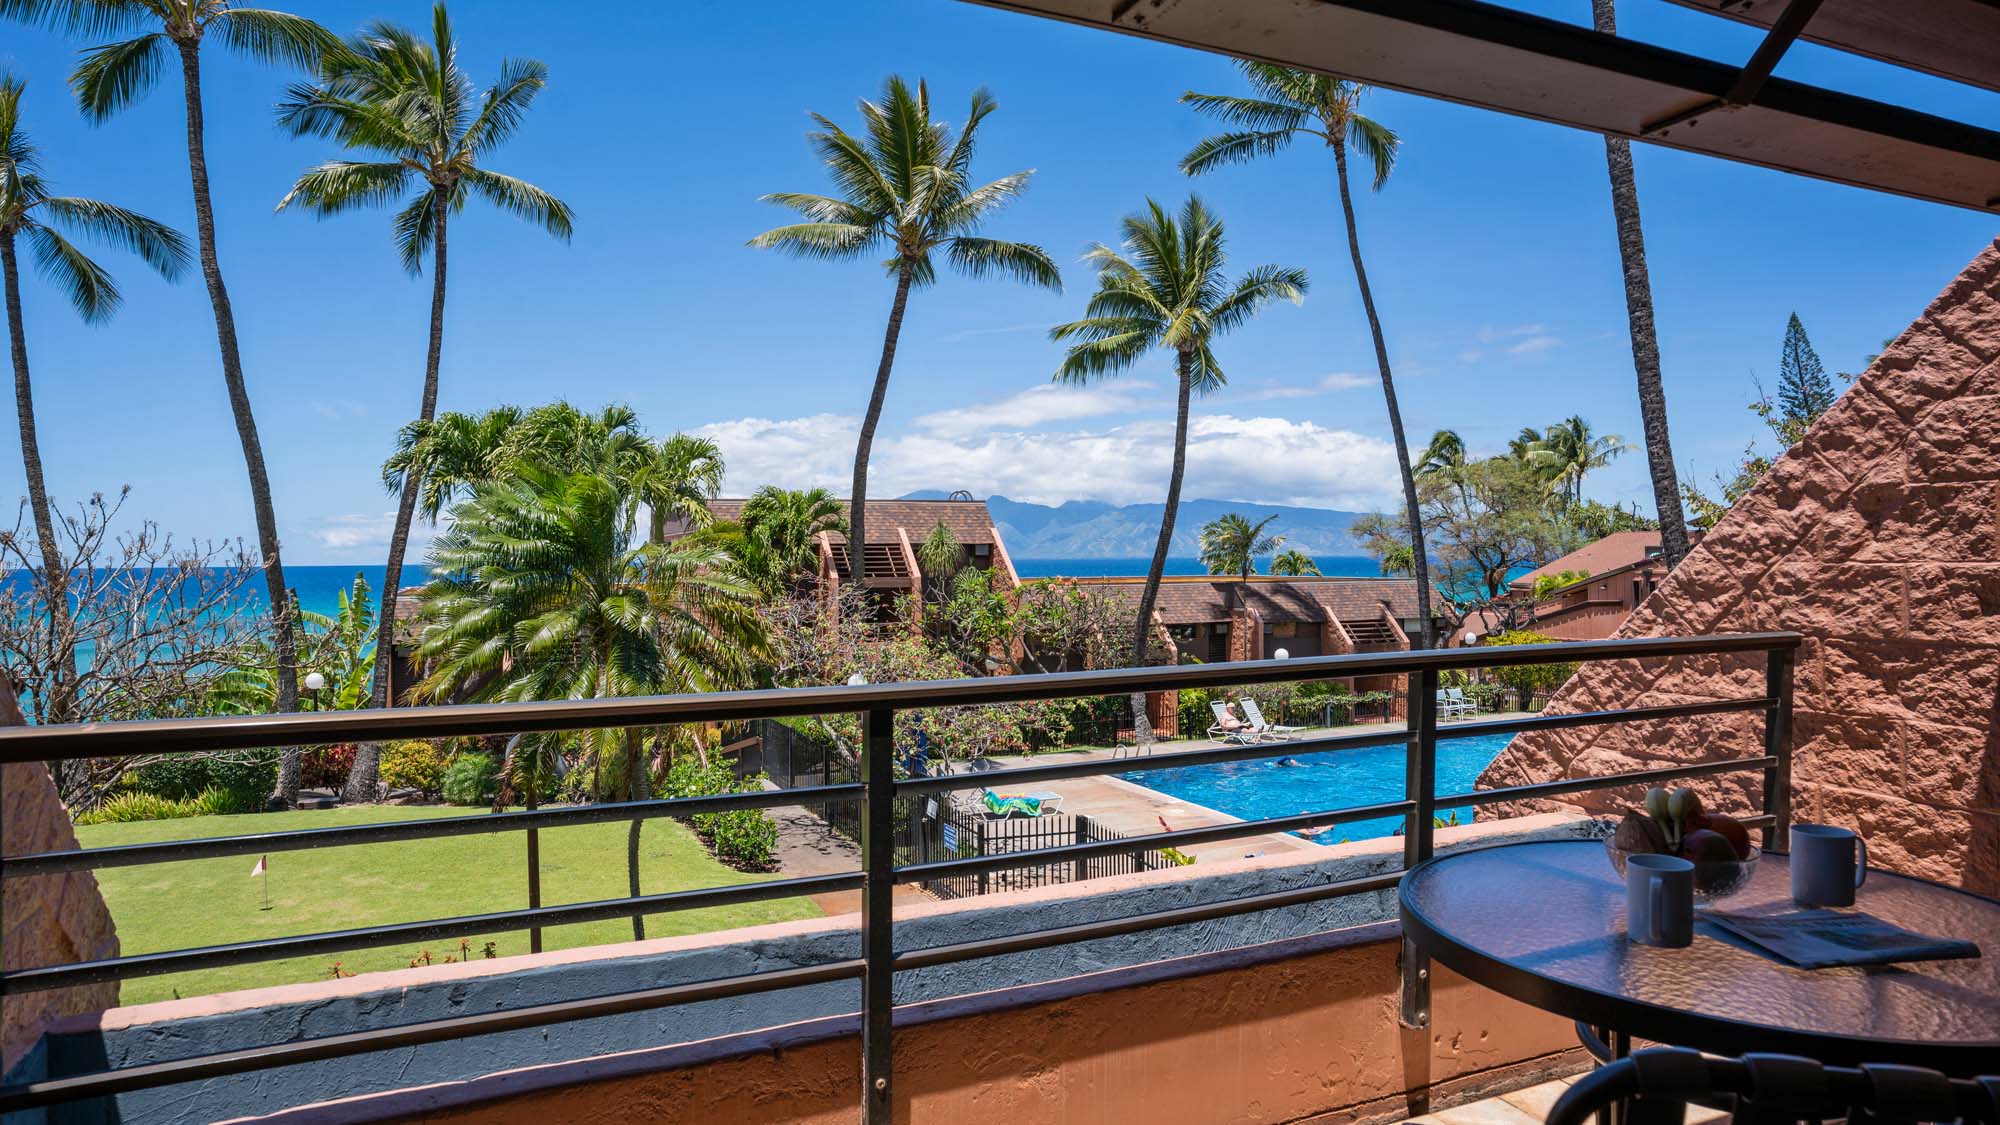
(1282, 654)
(315, 681)
(856, 680)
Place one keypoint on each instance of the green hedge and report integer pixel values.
(243, 779)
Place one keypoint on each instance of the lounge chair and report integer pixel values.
(1465, 703)
(1449, 708)
(1000, 806)
(1228, 727)
(1263, 729)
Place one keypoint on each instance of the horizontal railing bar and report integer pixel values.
(166, 851)
(1595, 718)
(55, 1091)
(1601, 781)
(951, 868)
(1029, 775)
(156, 736)
(1158, 919)
(272, 949)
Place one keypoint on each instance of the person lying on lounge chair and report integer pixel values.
(1227, 726)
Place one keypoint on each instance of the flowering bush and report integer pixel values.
(325, 767)
(417, 764)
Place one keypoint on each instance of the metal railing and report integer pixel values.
(877, 790)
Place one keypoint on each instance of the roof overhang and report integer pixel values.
(1496, 58)
(1953, 39)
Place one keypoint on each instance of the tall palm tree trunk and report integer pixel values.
(635, 790)
(1142, 726)
(365, 775)
(1420, 564)
(246, 423)
(1645, 340)
(857, 500)
(55, 575)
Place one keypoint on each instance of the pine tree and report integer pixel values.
(1804, 391)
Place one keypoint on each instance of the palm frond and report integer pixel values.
(1377, 143)
(823, 208)
(86, 283)
(158, 244)
(818, 240)
(505, 104)
(416, 229)
(523, 200)
(1223, 149)
(1259, 287)
(980, 257)
(113, 76)
(976, 204)
(274, 37)
(1251, 113)
(1101, 353)
(342, 185)
(90, 18)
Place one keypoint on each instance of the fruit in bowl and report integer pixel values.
(1674, 823)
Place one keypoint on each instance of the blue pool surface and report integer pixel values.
(1331, 779)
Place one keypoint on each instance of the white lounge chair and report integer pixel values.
(1228, 727)
(1262, 728)
(1449, 708)
(1464, 702)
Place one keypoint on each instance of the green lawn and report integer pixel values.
(215, 901)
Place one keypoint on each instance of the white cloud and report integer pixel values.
(346, 532)
(339, 409)
(1471, 355)
(1338, 381)
(1038, 406)
(1534, 345)
(1489, 334)
(1003, 330)
(1270, 460)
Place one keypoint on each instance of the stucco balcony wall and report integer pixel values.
(176, 1029)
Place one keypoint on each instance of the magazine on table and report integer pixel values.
(1817, 939)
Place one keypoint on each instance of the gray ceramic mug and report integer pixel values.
(1659, 900)
(1828, 864)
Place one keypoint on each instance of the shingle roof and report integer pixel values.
(967, 519)
(1618, 549)
(1194, 601)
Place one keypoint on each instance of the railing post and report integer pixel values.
(1419, 786)
(878, 944)
(1778, 744)
(1082, 837)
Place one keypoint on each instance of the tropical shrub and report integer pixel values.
(417, 764)
(1530, 680)
(746, 839)
(472, 780)
(138, 805)
(244, 778)
(325, 767)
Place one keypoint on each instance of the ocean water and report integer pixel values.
(1322, 782)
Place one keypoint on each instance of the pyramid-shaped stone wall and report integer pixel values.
(1878, 537)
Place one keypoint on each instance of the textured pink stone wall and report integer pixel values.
(1878, 537)
(45, 919)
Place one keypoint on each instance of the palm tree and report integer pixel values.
(905, 187)
(26, 212)
(676, 480)
(1294, 103)
(393, 94)
(1639, 317)
(1230, 544)
(1166, 290)
(114, 76)
(1294, 563)
(541, 590)
(774, 541)
(1572, 452)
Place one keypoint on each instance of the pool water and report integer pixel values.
(1330, 779)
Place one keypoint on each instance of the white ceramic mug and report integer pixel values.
(1828, 864)
(1659, 900)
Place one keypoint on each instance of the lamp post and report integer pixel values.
(314, 683)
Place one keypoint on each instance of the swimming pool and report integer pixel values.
(1331, 779)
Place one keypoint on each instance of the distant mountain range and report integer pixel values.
(1089, 529)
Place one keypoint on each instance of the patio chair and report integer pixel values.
(1000, 806)
(1449, 708)
(1228, 727)
(1659, 1083)
(1262, 728)
(1464, 702)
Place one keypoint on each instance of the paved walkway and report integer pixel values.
(807, 846)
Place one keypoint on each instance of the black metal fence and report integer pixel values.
(955, 834)
(878, 792)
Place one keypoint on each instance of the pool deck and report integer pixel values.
(1124, 807)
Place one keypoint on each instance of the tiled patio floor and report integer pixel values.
(1528, 1107)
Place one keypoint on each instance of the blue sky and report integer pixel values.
(1491, 251)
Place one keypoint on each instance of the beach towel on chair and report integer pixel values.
(1007, 804)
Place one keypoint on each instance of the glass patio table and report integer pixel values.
(1544, 923)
